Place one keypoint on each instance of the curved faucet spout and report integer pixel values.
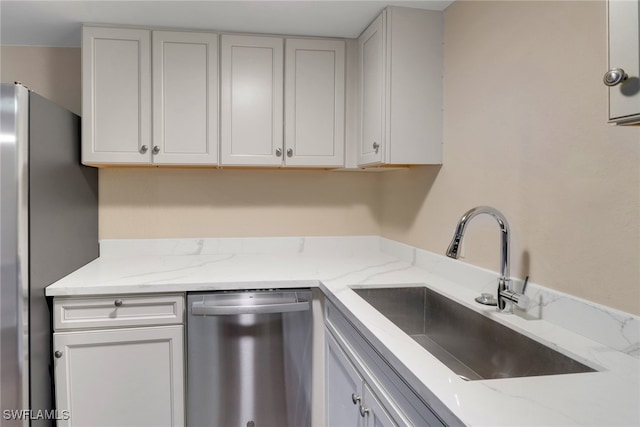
(454, 246)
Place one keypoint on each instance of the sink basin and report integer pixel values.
(470, 344)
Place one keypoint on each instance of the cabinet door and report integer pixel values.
(314, 102)
(375, 414)
(251, 100)
(185, 98)
(343, 388)
(116, 96)
(624, 52)
(372, 92)
(120, 377)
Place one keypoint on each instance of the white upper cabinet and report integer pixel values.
(116, 96)
(185, 98)
(251, 101)
(401, 88)
(314, 102)
(255, 88)
(623, 76)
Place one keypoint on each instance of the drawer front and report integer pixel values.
(117, 311)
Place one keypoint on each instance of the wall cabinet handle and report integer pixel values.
(279, 152)
(143, 149)
(355, 398)
(614, 77)
(118, 303)
(57, 354)
(376, 147)
(156, 149)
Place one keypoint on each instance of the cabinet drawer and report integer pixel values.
(117, 311)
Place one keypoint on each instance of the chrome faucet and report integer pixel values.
(506, 296)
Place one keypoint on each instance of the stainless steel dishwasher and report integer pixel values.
(249, 358)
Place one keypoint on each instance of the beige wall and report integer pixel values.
(53, 72)
(526, 132)
(137, 203)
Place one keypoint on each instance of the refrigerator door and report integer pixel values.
(14, 250)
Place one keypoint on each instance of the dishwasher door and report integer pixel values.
(249, 359)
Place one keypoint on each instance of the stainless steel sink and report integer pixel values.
(470, 344)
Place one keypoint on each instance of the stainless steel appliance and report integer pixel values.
(249, 359)
(48, 228)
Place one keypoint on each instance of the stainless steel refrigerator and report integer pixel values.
(48, 228)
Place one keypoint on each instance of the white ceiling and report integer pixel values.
(57, 23)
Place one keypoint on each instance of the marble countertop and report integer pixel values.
(600, 337)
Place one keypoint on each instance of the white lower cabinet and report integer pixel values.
(122, 376)
(350, 400)
(362, 389)
(343, 387)
(373, 410)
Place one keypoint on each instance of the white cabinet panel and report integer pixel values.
(185, 89)
(314, 102)
(120, 377)
(414, 99)
(251, 100)
(116, 95)
(624, 52)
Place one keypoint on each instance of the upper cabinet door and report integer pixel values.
(314, 102)
(116, 96)
(624, 53)
(372, 84)
(251, 100)
(185, 98)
